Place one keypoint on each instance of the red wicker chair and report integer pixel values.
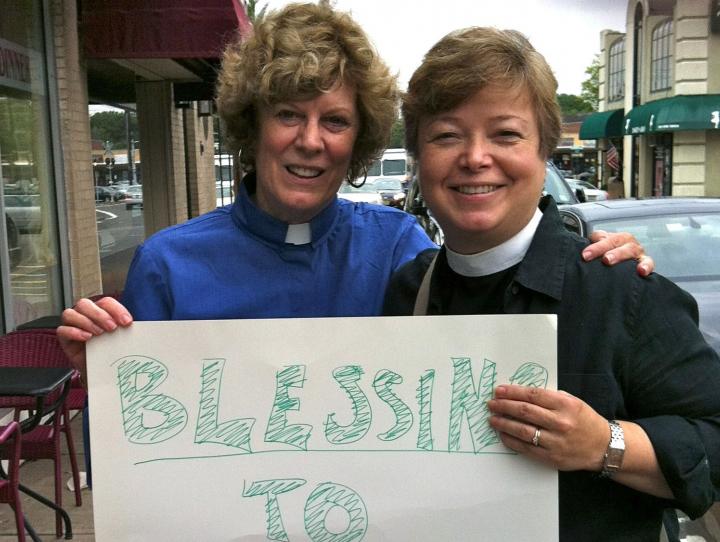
(40, 350)
(78, 395)
(10, 437)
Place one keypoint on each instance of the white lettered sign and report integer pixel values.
(343, 430)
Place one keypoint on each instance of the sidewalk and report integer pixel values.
(38, 475)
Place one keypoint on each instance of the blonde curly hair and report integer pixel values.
(467, 60)
(297, 53)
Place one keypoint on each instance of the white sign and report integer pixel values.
(342, 429)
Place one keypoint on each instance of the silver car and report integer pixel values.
(681, 234)
(592, 193)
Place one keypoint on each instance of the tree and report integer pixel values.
(591, 86)
(252, 12)
(397, 135)
(570, 104)
(110, 126)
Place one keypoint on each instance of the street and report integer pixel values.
(120, 231)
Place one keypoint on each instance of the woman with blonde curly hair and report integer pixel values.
(307, 103)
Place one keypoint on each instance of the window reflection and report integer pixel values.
(117, 175)
(26, 179)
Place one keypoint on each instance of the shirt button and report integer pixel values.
(515, 289)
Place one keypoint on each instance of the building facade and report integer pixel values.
(60, 241)
(573, 154)
(660, 99)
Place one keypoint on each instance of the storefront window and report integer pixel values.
(32, 285)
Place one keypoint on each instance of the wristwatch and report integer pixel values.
(615, 451)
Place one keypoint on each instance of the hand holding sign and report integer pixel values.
(572, 435)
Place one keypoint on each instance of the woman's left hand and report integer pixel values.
(572, 436)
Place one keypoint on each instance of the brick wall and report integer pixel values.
(201, 162)
(75, 144)
(179, 203)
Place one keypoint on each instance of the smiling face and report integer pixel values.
(481, 172)
(304, 152)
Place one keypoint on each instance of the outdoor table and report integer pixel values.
(45, 322)
(38, 383)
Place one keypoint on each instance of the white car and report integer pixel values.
(592, 193)
(365, 193)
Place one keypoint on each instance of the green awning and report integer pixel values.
(676, 114)
(604, 124)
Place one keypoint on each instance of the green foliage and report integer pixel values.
(252, 12)
(110, 126)
(590, 87)
(570, 104)
(397, 135)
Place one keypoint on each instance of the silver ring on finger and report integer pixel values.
(536, 437)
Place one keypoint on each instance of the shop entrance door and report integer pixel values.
(662, 166)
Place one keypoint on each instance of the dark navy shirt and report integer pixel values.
(629, 347)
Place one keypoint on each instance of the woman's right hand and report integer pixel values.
(86, 320)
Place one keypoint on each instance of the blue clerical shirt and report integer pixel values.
(233, 262)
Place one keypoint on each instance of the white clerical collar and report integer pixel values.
(498, 258)
(298, 234)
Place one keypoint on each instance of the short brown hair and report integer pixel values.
(297, 53)
(467, 60)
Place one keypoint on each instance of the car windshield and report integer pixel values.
(349, 189)
(387, 184)
(374, 170)
(556, 187)
(683, 246)
(394, 167)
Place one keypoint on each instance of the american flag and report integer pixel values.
(611, 158)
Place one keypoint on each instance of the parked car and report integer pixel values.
(120, 189)
(393, 163)
(134, 197)
(681, 234)
(555, 185)
(365, 193)
(391, 191)
(106, 194)
(24, 210)
(592, 193)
